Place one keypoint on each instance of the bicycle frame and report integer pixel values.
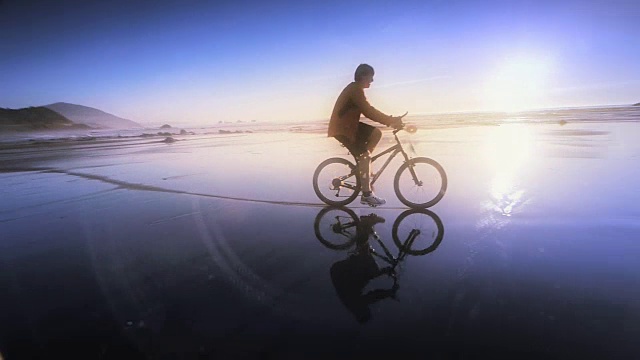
(394, 150)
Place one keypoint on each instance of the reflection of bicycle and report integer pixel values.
(419, 182)
(415, 232)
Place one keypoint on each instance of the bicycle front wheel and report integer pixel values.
(418, 231)
(336, 181)
(420, 183)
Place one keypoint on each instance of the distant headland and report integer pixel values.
(92, 117)
(61, 116)
(35, 119)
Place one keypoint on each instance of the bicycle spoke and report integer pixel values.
(425, 185)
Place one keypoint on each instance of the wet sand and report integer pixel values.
(207, 247)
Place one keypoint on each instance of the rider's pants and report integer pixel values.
(364, 164)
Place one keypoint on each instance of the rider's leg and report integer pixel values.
(363, 159)
(368, 198)
(366, 140)
(364, 164)
(374, 139)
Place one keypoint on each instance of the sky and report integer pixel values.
(200, 62)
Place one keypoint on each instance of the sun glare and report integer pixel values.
(508, 147)
(507, 151)
(518, 84)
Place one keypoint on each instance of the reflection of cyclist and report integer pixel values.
(351, 276)
(358, 137)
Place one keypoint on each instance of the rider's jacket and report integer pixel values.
(351, 104)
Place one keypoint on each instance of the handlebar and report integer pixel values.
(409, 128)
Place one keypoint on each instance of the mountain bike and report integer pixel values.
(415, 231)
(419, 182)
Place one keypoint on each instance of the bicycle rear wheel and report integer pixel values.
(417, 231)
(336, 227)
(420, 183)
(336, 181)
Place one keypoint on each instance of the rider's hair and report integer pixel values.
(363, 70)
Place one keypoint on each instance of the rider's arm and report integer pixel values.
(369, 111)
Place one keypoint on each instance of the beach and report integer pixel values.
(206, 246)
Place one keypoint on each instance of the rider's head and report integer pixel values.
(364, 75)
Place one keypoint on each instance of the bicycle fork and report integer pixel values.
(411, 168)
(415, 176)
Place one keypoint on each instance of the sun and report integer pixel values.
(519, 83)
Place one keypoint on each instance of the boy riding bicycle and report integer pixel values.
(360, 138)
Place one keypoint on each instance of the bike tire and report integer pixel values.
(433, 177)
(327, 172)
(406, 221)
(322, 225)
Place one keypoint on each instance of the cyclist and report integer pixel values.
(360, 138)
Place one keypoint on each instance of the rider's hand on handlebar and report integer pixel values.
(396, 122)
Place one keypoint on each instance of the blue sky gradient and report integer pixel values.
(202, 61)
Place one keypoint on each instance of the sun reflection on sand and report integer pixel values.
(507, 151)
(505, 196)
(508, 147)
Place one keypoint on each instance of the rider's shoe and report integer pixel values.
(372, 219)
(372, 200)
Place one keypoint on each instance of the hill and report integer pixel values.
(92, 117)
(638, 104)
(34, 118)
